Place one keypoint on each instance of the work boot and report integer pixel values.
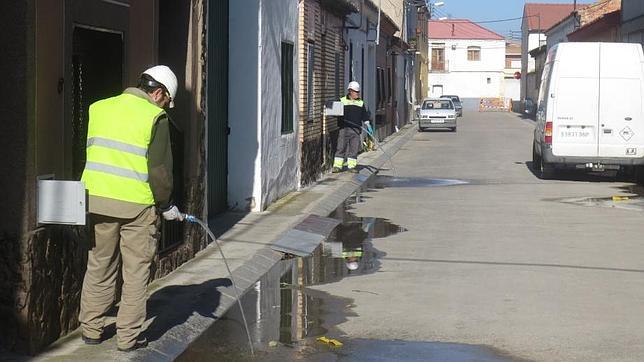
(336, 170)
(91, 341)
(353, 170)
(140, 343)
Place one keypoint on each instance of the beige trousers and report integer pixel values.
(134, 243)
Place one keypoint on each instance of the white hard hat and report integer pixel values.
(352, 265)
(165, 76)
(354, 86)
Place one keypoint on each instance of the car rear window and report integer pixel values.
(437, 104)
(453, 98)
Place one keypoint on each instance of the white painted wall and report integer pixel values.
(559, 33)
(262, 163)
(535, 40)
(511, 88)
(529, 41)
(280, 153)
(243, 82)
(469, 79)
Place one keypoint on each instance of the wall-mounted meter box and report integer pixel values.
(61, 202)
(332, 108)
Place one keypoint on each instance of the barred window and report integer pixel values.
(287, 88)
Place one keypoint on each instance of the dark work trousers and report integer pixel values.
(348, 147)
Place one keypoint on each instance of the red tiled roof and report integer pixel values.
(542, 16)
(459, 29)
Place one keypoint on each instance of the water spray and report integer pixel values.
(369, 132)
(193, 219)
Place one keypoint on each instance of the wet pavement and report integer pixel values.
(399, 181)
(286, 316)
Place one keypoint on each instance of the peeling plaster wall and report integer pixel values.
(279, 152)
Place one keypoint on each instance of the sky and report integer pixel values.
(484, 10)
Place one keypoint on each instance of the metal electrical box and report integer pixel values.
(332, 108)
(61, 202)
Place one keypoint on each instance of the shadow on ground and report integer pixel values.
(202, 299)
(581, 175)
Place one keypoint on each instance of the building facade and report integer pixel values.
(321, 78)
(632, 19)
(466, 59)
(512, 72)
(587, 22)
(263, 151)
(63, 56)
(537, 18)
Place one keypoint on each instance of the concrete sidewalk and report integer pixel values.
(189, 300)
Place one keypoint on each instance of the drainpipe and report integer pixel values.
(378, 30)
(256, 203)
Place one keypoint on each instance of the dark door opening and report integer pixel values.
(217, 106)
(97, 71)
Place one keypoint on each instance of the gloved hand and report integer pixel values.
(173, 213)
(367, 125)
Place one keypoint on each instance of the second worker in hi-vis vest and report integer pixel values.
(128, 175)
(355, 113)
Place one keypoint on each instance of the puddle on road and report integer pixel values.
(284, 315)
(390, 181)
(633, 203)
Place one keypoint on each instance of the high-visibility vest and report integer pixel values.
(118, 136)
(346, 101)
(353, 112)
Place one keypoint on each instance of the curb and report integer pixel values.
(188, 312)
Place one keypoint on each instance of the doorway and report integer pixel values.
(217, 107)
(97, 73)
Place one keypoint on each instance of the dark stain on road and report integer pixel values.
(381, 182)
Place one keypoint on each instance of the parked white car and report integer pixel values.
(436, 113)
(590, 113)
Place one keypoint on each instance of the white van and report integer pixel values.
(590, 112)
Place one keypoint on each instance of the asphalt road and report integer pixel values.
(505, 260)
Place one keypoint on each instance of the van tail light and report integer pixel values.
(547, 132)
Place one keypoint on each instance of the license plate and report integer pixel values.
(437, 121)
(578, 133)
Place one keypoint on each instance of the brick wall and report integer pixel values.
(321, 30)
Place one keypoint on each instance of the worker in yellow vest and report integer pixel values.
(128, 174)
(351, 124)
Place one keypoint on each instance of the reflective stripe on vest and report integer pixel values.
(354, 253)
(119, 132)
(352, 102)
(119, 146)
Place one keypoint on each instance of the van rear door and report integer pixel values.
(575, 96)
(621, 120)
